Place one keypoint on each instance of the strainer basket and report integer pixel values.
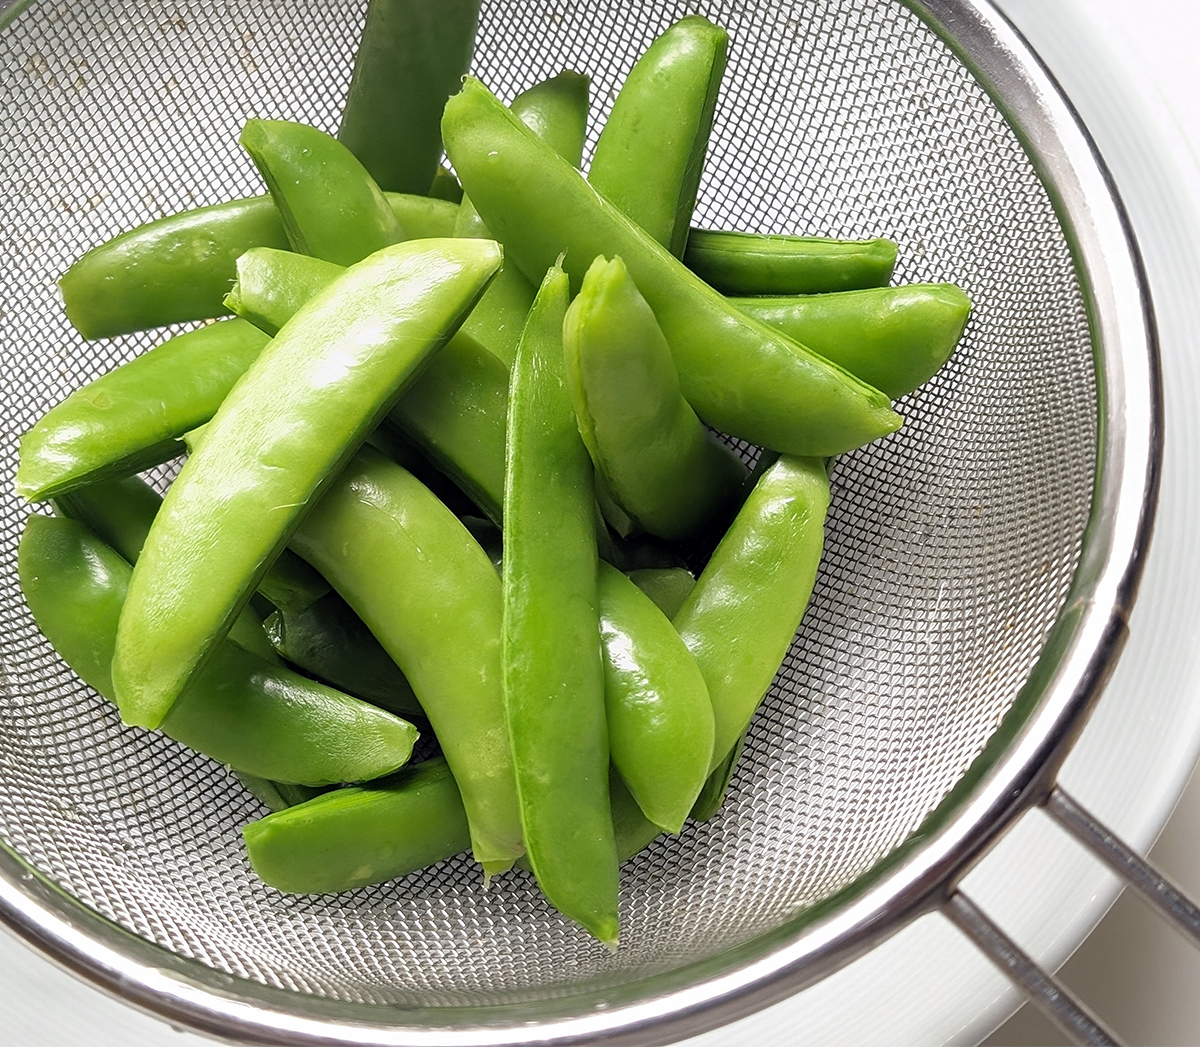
(979, 567)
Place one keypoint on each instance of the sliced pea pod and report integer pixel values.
(738, 374)
(650, 155)
(289, 425)
(896, 338)
(657, 461)
(240, 710)
(553, 675)
(759, 264)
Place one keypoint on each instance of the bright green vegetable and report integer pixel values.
(756, 264)
(650, 155)
(553, 676)
(739, 375)
(369, 834)
(657, 461)
(431, 596)
(741, 617)
(178, 268)
(292, 421)
(240, 709)
(668, 587)
(135, 416)
(409, 61)
(277, 796)
(330, 206)
(896, 338)
(660, 726)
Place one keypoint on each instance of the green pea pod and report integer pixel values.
(660, 726)
(896, 338)
(556, 110)
(456, 409)
(740, 375)
(712, 796)
(756, 264)
(409, 61)
(135, 416)
(331, 207)
(286, 429)
(650, 155)
(239, 709)
(367, 834)
(553, 675)
(178, 268)
(276, 796)
(747, 604)
(430, 594)
(663, 468)
(668, 587)
(444, 185)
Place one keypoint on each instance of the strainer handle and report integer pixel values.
(1043, 990)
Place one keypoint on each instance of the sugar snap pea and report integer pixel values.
(739, 375)
(660, 726)
(743, 613)
(756, 264)
(668, 587)
(445, 186)
(330, 206)
(179, 267)
(240, 709)
(896, 338)
(553, 676)
(296, 416)
(135, 416)
(650, 154)
(276, 796)
(410, 57)
(653, 455)
(430, 594)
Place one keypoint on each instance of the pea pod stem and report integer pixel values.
(293, 420)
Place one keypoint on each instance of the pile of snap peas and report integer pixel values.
(450, 455)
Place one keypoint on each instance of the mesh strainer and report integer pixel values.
(979, 567)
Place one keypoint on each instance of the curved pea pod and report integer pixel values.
(240, 710)
(741, 617)
(556, 110)
(431, 596)
(135, 416)
(275, 796)
(738, 374)
(668, 587)
(553, 672)
(456, 409)
(366, 834)
(660, 721)
(760, 264)
(664, 469)
(294, 419)
(178, 268)
(410, 58)
(650, 155)
(330, 206)
(896, 338)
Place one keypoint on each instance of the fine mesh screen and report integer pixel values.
(950, 545)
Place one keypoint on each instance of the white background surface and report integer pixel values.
(1136, 975)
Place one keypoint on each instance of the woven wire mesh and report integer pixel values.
(950, 545)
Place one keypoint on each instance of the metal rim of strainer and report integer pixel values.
(1015, 770)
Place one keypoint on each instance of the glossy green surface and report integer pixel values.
(741, 617)
(553, 671)
(660, 720)
(330, 206)
(240, 710)
(431, 596)
(657, 461)
(896, 338)
(135, 416)
(289, 425)
(651, 152)
(409, 61)
(739, 375)
(368, 834)
(756, 264)
(668, 587)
